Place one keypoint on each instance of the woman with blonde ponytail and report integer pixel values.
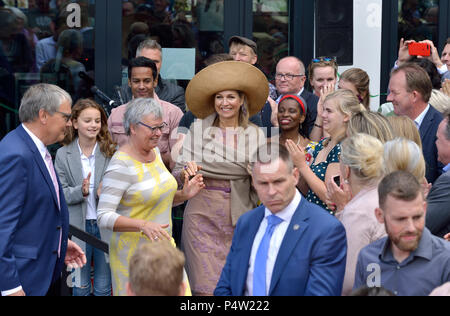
(338, 109)
(361, 168)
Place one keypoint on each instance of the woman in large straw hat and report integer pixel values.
(221, 143)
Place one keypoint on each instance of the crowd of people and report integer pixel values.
(289, 192)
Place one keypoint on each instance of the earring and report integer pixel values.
(244, 109)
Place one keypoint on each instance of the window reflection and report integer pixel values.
(270, 32)
(173, 24)
(418, 19)
(38, 43)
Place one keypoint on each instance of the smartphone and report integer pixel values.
(337, 180)
(419, 49)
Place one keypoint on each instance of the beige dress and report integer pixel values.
(207, 235)
(210, 217)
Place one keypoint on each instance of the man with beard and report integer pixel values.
(410, 261)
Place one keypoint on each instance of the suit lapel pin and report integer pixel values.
(296, 227)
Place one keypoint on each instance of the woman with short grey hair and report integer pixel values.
(138, 190)
(137, 109)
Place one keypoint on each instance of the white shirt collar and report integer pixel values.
(81, 151)
(287, 213)
(39, 144)
(420, 118)
(298, 94)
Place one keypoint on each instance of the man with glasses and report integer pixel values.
(290, 78)
(34, 218)
(142, 74)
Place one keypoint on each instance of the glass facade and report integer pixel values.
(53, 40)
(418, 20)
(197, 24)
(44, 41)
(271, 33)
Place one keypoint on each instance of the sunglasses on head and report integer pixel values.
(326, 59)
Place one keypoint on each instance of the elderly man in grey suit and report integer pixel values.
(438, 213)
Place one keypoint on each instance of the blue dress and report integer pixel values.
(320, 170)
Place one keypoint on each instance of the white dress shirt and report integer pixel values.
(418, 121)
(88, 166)
(443, 69)
(298, 94)
(275, 242)
(40, 146)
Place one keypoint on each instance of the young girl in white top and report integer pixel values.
(81, 164)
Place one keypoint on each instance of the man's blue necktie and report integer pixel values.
(259, 273)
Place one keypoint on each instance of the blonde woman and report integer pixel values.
(365, 122)
(338, 110)
(440, 101)
(402, 154)
(404, 127)
(323, 74)
(371, 123)
(361, 168)
(221, 143)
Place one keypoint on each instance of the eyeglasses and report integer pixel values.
(66, 116)
(154, 129)
(288, 77)
(324, 59)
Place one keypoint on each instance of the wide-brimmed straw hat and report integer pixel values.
(223, 76)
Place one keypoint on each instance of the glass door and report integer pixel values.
(196, 25)
(44, 41)
(271, 33)
(418, 20)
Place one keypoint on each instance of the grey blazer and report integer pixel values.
(438, 210)
(70, 172)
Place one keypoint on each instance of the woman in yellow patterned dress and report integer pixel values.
(138, 191)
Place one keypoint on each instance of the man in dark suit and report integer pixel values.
(410, 91)
(34, 219)
(438, 210)
(290, 78)
(287, 246)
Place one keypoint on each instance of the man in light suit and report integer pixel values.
(438, 210)
(34, 220)
(307, 251)
(410, 91)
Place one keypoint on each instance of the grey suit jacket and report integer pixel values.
(70, 172)
(438, 211)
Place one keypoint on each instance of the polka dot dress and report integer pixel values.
(321, 169)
